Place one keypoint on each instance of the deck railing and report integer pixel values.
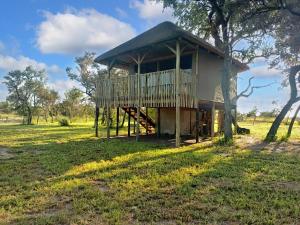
(157, 89)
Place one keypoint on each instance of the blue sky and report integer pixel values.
(49, 34)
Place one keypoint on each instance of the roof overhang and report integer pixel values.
(156, 37)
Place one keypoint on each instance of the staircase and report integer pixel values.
(146, 121)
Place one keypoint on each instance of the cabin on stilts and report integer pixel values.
(173, 71)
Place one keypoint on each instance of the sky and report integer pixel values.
(49, 34)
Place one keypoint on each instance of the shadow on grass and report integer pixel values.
(125, 182)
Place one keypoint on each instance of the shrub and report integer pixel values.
(64, 122)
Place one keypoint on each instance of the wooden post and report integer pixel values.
(117, 126)
(109, 96)
(177, 93)
(128, 131)
(147, 121)
(158, 122)
(139, 101)
(138, 61)
(108, 105)
(197, 122)
(212, 127)
(196, 78)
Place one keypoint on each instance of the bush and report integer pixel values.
(64, 122)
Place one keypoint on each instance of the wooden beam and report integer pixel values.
(128, 130)
(108, 105)
(118, 118)
(197, 122)
(147, 121)
(212, 127)
(158, 122)
(139, 61)
(171, 49)
(177, 93)
(196, 77)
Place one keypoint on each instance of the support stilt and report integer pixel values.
(128, 131)
(118, 118)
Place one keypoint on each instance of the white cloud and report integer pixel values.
(74, 32)
(8, 63)
(121, 12)
(265, 71)
(152, 11)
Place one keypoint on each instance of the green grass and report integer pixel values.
(63, 175)
(261, 126)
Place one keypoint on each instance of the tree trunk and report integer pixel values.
(293, 98)
(29, 116)
(271, 136)
(292, 122)
(96, 121)
(225, 82)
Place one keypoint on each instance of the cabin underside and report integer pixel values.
(206, 120)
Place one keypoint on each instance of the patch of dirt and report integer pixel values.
(288, 185)
(101, 185)
(255, 144)
(5, 154)
(60, 204)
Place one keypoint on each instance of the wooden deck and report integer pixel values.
(157, 89)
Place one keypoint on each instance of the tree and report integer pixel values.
(72, 102)
(5, 107)
(286, 55)
(87, 75)
(23, 87)
(222, 20)
(49, 102)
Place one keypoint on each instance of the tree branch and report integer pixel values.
(252, 88)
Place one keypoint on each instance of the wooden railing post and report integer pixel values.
(129, 112)
(109, 97)
(139, 100)
(178, 93)
(118, 118)
(197, 122)
(212, 128)
(108, 106)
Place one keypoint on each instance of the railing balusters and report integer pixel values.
(157, 90)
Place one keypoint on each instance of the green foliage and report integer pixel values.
(23, 88)
(252, 113)
(272, 113)
(5, 107)
(64, 122)
(87, 73)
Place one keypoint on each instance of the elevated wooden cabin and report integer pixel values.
(173, 71)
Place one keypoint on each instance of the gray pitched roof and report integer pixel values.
(162, 32)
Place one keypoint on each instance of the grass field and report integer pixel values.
(63, 175)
